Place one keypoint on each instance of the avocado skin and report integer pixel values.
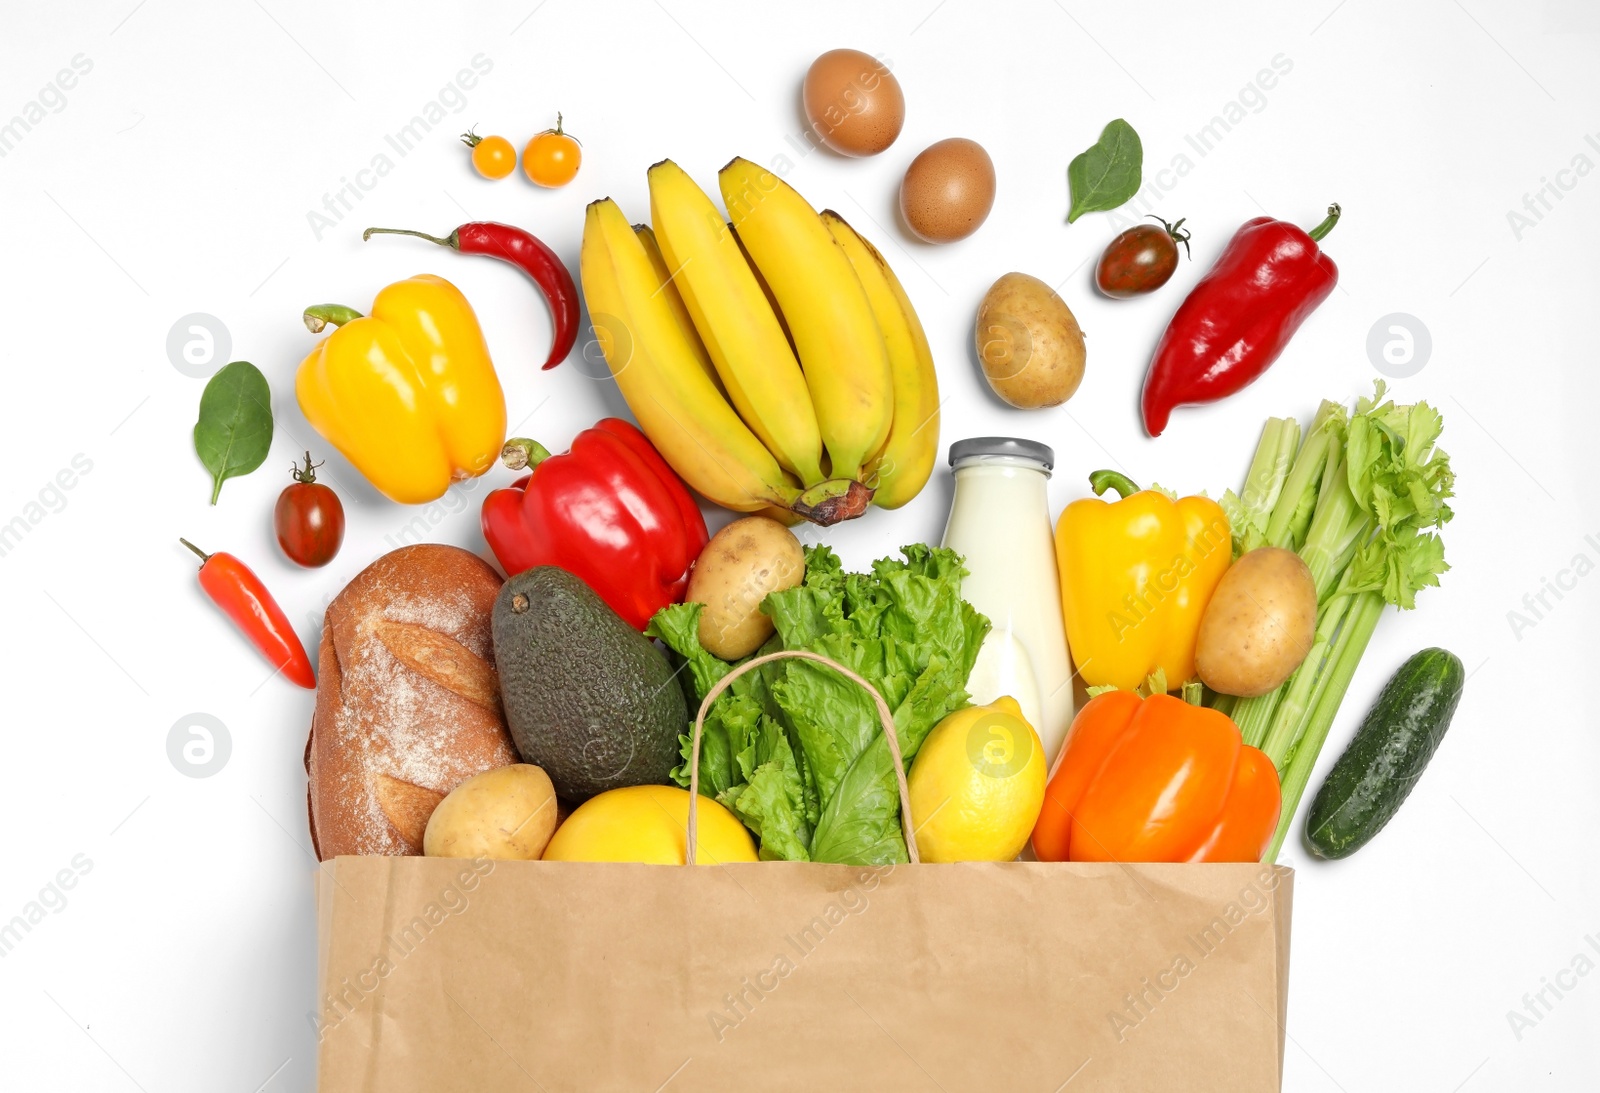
(587, 697)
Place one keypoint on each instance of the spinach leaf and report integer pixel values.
(1107, 173)
(235, 426)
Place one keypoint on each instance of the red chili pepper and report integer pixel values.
(243, 598)
(610, 511)
(527, 253)
(1240, 316)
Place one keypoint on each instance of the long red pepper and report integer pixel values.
(232, 586)
(1240, 316)
(530, 255)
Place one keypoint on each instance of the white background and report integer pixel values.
(178, 178)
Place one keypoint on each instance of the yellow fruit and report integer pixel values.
(650, 824)
(977, 785)
(902, 467)
(647, 237)
(665, 384)
(835, 333)
(740, 328)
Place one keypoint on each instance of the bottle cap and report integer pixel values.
(963, 451)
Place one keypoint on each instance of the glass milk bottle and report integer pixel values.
(1000, 522)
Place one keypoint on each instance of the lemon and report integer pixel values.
(977, 785)
(649, 824)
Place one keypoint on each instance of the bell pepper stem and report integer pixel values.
(520, 453)
(1326, 226)
(453, 240)
(204, 557)
(319, 317)
(1100, 481)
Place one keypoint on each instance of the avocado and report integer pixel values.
(587, 697)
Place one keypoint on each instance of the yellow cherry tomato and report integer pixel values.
(493, 157)
(552, 157)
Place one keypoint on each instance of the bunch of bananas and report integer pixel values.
(774, 361)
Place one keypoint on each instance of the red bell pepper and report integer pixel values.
(609, 511)
(1241, 315)
(1158, 780)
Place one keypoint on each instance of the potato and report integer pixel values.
(739, 566)
(505, 814)
(1028, 342)
(1259, 624)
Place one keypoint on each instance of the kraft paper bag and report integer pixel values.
(508, 977)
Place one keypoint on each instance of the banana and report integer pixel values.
(739, 327)
(677, 406)
(903, 467)
(841, 348)
(675, 301)
(766, 289)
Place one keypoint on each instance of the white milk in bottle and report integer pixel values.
(1000, 522)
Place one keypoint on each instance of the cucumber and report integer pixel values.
(1372, 778)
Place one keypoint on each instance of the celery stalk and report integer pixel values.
(1301, 489)
(1254, 716)
(1248, 513)
(1299, 693)
(1360, 622)
(1338, 529)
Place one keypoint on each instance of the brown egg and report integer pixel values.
(853, 102)
(948, 190)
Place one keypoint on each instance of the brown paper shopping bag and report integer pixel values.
(445, 974)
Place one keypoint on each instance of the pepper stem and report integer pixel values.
(318, 317)
(453, 241)
(204, 557)
(521, 453)
(1100, 481)
(1326, 226)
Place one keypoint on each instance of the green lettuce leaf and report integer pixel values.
(794, 749)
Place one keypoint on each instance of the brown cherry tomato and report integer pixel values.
(1140, 260)
(309, 519)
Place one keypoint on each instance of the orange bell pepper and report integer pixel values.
(1156, 780)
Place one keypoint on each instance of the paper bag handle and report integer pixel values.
(885, 717)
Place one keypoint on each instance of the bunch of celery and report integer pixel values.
(1358, 499)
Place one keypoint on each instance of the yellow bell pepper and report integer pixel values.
(1136, 574)
(407, 394)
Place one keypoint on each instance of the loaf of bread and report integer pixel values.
(408, 703)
